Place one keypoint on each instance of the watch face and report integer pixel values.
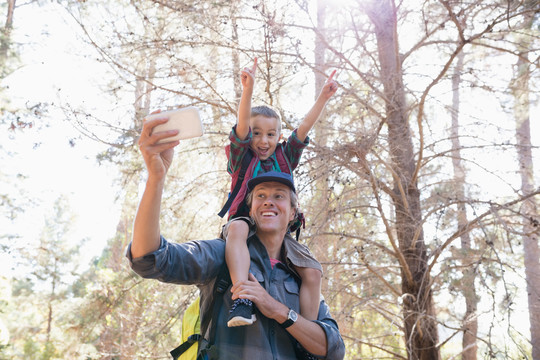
(293, 315)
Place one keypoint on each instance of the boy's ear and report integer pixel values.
(280, 136)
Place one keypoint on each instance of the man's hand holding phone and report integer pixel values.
(186, 120)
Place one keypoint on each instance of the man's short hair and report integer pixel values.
(268, 112)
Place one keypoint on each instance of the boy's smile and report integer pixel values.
(266, 135)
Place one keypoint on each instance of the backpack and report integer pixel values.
(241, 175)
(191, 333)
(193, 330)
(283, 163)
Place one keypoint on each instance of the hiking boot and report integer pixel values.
(241, 313)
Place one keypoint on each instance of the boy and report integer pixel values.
(259, 130)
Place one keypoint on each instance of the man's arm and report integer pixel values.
(191, 263)
(244, 107)
(158, 158)
(308, 333)
(329, 89)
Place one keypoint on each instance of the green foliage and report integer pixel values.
(49, 352)
(8, 53)
(30, 349)
(4, 302)
(171, 54)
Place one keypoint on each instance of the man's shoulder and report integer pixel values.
(204, 245)
(205, 251)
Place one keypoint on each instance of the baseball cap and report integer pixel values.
(279, 177)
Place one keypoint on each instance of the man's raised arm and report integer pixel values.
(158, 158)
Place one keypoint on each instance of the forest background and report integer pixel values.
(419, 185)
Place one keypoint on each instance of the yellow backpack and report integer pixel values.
(191, 324)
(191, 332)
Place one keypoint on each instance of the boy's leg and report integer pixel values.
(238, 261)
(310, 292)
(236, 251)
(310, 271)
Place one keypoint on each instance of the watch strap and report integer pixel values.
(287, 323)
(289, 320)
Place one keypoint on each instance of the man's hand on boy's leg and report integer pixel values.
(247, 76)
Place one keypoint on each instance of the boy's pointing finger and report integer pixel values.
(331, 76)
(254, 65)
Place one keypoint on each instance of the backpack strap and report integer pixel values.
(192, 339)
(285, 167)
(243, 168)
(298, 224)
(283, 161)
(209, 350)
(222, 284)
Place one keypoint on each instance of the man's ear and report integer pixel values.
(293, 214)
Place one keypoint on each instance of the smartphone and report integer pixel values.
(186, 120)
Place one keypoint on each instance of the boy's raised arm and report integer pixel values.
(329, 89)
(244, 108)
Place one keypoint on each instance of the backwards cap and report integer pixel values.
(279, 177)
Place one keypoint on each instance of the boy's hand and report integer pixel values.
(247, 76)
(330, 87)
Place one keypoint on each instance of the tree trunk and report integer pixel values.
(5, 37)
(143, 90)
(531, 220)
(421, 334)
(234, 54)
(50, 304)
(320, 243)
(470, 321)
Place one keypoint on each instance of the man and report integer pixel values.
(271, 286)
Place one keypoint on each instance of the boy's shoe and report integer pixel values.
(241, 313)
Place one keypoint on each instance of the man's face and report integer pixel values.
(271, 207)
(266, 135)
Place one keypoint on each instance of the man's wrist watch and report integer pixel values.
(291, 319)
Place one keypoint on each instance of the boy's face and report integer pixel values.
(266, 135)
